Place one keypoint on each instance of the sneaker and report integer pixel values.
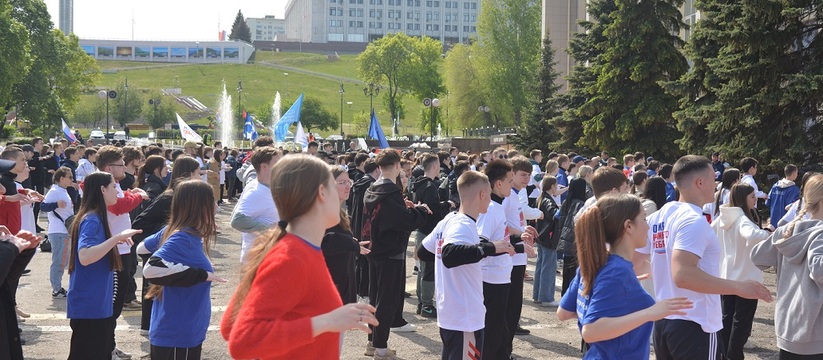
(144, 332)
(388, 356)
(528, 277)
(59, 294)
(415, 271)
(119, 354)
(132, 305)
(550, 304)
(21, 313)
(370, 350)
(405, 328)
(428, 311)
(521, 331)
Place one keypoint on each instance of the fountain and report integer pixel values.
(275, 110)
(226, 118)
(437, 134)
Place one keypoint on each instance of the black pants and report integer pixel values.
(738, 315)
(785, 355)
(231, 186)
(42, 190)
(173, 353)
(129, 284)
(361, 274)
(386, 287)
(495, 298)
(683, 339)
(145, 316)
(461, 345)
(569, 271)
(91, 339)
(119, 278)
(515, 304)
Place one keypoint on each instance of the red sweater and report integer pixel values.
(292, 285)
(11, 215)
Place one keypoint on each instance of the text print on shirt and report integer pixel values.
(659, 237)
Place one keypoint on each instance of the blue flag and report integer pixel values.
(376, 132)
(249, 131)
(292, 116)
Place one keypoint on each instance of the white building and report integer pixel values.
(205, 52)
(266, 28)
(321, 21)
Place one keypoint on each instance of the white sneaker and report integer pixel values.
(118, 354)
(409, 327)
(550, 304)
(144, 332)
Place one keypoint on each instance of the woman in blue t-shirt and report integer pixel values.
(93, 260)
(181, 274)
(613, 311)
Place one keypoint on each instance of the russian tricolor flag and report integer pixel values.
(67, 131)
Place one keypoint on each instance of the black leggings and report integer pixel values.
(91, 339)
(176, 353)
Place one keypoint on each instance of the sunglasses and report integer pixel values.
(502, 156)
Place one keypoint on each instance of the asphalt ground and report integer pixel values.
(47, 332)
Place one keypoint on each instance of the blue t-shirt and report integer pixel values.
(152, 242)
(616, 292)
(181, 316)
(91, 287)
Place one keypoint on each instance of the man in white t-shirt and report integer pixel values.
(458, 274)
(255, 211)
(683, 254)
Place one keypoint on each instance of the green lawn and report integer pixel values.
(260, 83)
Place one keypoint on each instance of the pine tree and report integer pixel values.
(629, 109)
(757, 84)
(240, 30)
(536, 132)
(586, 48)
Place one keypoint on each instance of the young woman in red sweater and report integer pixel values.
(286, 306)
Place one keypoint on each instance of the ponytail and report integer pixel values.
(592, 255)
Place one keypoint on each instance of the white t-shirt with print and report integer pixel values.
(458, 290)
(682, 226)
(492, 226)
(55, 194)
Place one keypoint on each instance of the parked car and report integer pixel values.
(334, 137)
(97, 135)
(119, 135)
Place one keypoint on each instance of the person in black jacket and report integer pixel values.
(566, 243)
(340, 247)
(154, 217)
(356, 214)
(424, 191)
(387, 217)
(15, 253)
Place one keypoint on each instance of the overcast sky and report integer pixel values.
(161, 20)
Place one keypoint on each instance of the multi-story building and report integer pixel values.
(321, 21)
(266, 28)
(66, 14)
(560, 24)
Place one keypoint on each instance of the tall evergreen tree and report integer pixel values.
(757, 84)
(536, 132)
(586, 48)
(240, 30)
(629, 109)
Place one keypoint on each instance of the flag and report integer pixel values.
(376, 132)
(290, 117)
(301, 138)
(186, 132)
(249, 131)
(67, 131)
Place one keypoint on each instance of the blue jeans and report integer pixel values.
(59, 259)
(545, 274)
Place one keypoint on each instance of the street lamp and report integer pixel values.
(286, 83)
(154, 102)
(371, 91)
(103, 94)
(341, 110)
(485, 110)
(431, 104)
(125, 100)
(240, 98)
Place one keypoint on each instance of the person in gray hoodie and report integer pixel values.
(796, 251)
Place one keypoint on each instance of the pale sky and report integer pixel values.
(161, 20)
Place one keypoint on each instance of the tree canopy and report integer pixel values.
(240, 30)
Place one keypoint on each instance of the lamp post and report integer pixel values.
(431, 104)
(125, 100)
(154, 102)
(371, 91)
(286, 84)
(240, 99)
(485, 111)
(110, 94)
(341, 110)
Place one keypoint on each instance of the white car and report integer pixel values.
(120, 135)
(334, 137)
(97, 135)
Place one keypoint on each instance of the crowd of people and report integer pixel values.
(648, 253)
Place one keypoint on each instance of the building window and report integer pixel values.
(466, 28)
(413, 3)
(375, 25)
(375, 13)
(376, 2)
(355, 24)
(432, 27)
(465, 5)
(474, 5)
(333, 11)
(474, 29)
(465, 17)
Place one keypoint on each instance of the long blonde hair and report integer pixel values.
(812, 196)
(295, 182)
